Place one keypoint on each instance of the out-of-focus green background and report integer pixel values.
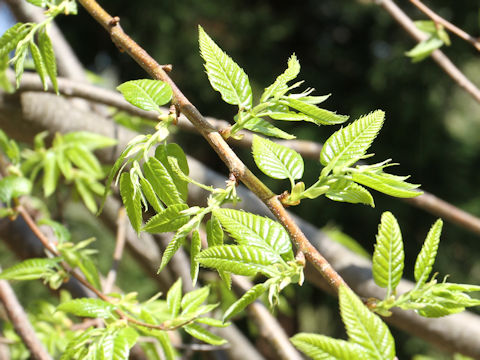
(354, 50)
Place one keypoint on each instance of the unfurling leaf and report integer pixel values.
(315, 114)
(388, 256)
(275, 160)
(426, 257)
(347, 191)
(146, 94)
(224, 74)
(279, 87)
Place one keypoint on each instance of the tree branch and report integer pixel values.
(228, 156)
(438, 56)
(437, 19)
(20, 322)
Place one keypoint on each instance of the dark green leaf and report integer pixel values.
(264, 127)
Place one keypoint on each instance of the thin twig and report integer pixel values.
(118, 252)
(438, 56)
(446, 24)
(20, 322)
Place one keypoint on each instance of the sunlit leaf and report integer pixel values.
(250, 296)
(426, 257)
(131, 200)
(146, 94)
(279, 87)
(204, 335)
(320, 347)
(94, 308)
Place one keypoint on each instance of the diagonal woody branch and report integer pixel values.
(228, 156)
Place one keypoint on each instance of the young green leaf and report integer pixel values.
(167, 220)
(254, 230)
(163, 153)
(277, 161)
(214, 232)
(264, 127)
(149, 193)
(14, 186)
(11, 38)
(39, 64)
(174, 298)
(240, 260)
(347, 191)
(90, 271)
(279, 87)
(30, 269)
(91, 141)
(348, 145)
(146, 94)
(193, 299)
(424, 48)
(389, 184)
(249, 297)
(51, 173)
(132, 200)
(388, 256)
(39, 3)
(86, 195)
(59, 230)
(319, 347)
(163, 183)
(315, 114)
(365, 328)
(94, 308)
(124, 340)
(426, 257)
(85, 160)
(48, 56)
(195, 248)
(224, 74)
(177, 241)
(204, 335)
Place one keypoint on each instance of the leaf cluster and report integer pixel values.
(437, 37)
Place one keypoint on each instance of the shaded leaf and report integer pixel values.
(86, 194)
(131, 200)
(204, 335)
(424, 48)
(174, 298)
(167, 220)
(162, 153)
(162, 182)
(249, 297)
(30, 269)
(91, 141)
(347, 191)
(51, 173)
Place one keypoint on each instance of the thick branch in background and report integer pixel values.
(20, 322)
(455, 333)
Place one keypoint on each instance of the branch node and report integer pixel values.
(114, 21)
(167, 68)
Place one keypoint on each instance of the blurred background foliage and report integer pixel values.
(354, 50)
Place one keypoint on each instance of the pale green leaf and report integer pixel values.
(426, 257)
(195, 248)
(249, 297)
(320, 347)
(162, 182)
(212, 322)
(105, 346)
(275, 160)
(193, 299)
(279, 87)
(51, 173)
(84, 159)
(388, 256)
(167, 220)
(204, 335)
(14, 186)
(125, 338)
(30, 269)
(166, 345)
(40, 3)
(39, 64)
(389, 184)
(149, 193)
(224, 74)
(91, 141)
(48, 56)
(214, 232)
(131, 200)
(264, 127)
(348, 145)
(177, 241)
(347, 191)
(174, 298)
(240, 260)
(59, 230)
(90, 270)
(424, 48)
(11, 38)
(315, 114)
(365, 328)
(19, 61)
(163, 153)
(94, 308)
(146, 94)
(86, 195)
(254, 230)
